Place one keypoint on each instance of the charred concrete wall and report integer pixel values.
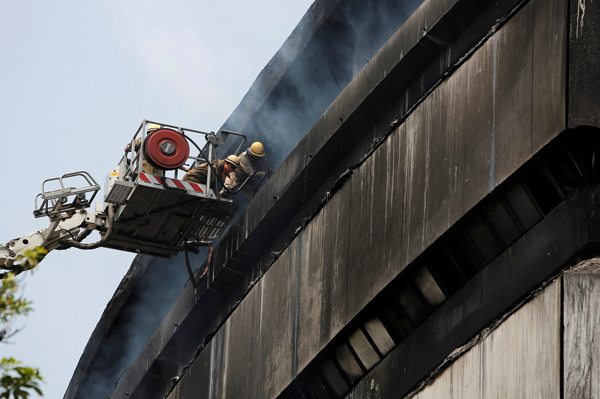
(471, 132)
(486, 116)
(331, 43)
(435, 159)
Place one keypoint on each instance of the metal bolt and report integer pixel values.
(167, 147)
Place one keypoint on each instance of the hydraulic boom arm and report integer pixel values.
(69, 224)
(145, 210)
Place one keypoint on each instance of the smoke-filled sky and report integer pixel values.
(76, 80)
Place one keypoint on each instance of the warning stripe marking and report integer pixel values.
(185, 185)
(178, 183)
(196, 187)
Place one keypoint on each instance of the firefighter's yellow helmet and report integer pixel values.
(233, 160)
(153, 126)
(257, 149)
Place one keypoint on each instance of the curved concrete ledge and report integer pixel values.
(338, 141)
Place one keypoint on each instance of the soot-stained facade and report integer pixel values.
(419, 240)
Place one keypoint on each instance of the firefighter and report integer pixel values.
(252, 163)
(146, 167)
(224, 168)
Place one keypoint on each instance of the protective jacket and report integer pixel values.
(248, 165)
(200, 172)
(146, 166)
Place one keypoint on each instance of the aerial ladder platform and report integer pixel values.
(146, 209)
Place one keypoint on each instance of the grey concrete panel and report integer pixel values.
(514, 68)
(479, 134)
(549, 70)
(584, 58)
(234, 356)
(445, 115)
(416, 151)
(462, 380)
(310, 270)
(436, 116)
(519, 359)
(335, 275)
(330, 280)
(243, 328)
(343, 244)
(320, 260)
(214, 357)
(581, 347)
(361, 257)
(395, 220)
(382, 218)
(277, 330)
(522, 358)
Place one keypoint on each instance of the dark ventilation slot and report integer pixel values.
(335, 383)
(522, 205)
(567, 173)
(363, 348)
(379, 336)
(351, 368)
(503, 222)
(393, 317)
(318, 389)
(428, 288)
(483, 239)
(543, 191)
(463, 256)
(411, 302)
(446, 272)
(313, 387)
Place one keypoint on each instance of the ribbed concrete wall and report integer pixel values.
(546, 349)
(520, 359)
(472, 132)
(456, 115)
(581, 321)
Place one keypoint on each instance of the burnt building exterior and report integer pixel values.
(431, 232)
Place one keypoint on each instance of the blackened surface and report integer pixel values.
(584, 58)
(533, 259)
(338, 140)
(478, 147)
(549, 69)
(514, 86)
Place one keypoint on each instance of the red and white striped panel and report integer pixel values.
(184, 185)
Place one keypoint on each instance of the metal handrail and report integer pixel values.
(133, 162)
(55, 201)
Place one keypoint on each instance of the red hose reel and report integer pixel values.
(166, 149)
